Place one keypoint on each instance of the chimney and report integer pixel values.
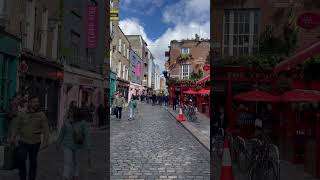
(197, 37)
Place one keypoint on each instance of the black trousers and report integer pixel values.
(119, 112)
(29, 151)
(174, 107)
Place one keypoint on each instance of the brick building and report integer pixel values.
(187, 56)
(238, 24)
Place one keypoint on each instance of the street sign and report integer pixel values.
(114, 15)
(309, 20)
(23, 67)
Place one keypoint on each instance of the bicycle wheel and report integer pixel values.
(263, 170)
(243, 161)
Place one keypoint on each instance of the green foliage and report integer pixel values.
(196, 76)
(259, 62)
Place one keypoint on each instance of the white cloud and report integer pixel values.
(185, 26)
(187, 11)
(146, 7)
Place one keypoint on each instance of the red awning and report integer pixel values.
(299, 96)
(204, 79)
(204, 91)
(298, 58)
(256, 96)
(190, 92)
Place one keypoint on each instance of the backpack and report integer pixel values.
(78, 135)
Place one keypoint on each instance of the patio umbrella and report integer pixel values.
(256, 96)
(204, 91)
(190, 92)
(299, 96)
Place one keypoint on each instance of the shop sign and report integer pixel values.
(309, 20)
(92, 26)
(114, 15)
(85, 81)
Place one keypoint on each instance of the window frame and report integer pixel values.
(184, 48)
(119, 45)
(185, 75)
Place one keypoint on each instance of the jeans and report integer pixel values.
(71, 166)
(118, 112)
(25, 151)
(131, 113)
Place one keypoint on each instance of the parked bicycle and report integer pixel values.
(217, 144)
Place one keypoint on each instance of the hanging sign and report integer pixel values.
(92, 26)
(309, 20)
(114, 15)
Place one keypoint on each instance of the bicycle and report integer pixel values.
(217, 143)
(263, 167)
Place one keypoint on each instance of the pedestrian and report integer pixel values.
(74, 137)
(29, 126)
(175, 102)
(119, 103)
(153, 99)
(132, 107)
(102, 115)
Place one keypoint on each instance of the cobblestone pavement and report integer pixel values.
(155, 146)
(50, 162)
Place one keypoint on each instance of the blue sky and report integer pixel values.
(160, 21)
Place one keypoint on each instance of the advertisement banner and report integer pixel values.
(92, 26)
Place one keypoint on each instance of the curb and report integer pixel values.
(196, 137)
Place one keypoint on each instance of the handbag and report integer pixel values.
(8, 157)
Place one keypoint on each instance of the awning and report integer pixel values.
(204, 91)
(204, 79)
(299, 96)
(300, 57)
(256, 96)
(190, 92)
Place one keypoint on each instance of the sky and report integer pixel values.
(160, 21)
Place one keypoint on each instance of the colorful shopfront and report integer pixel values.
(9, 52)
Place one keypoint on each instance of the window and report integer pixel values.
(44, 32)
(124, 50)
(3, 8)
(5, 82)
(241, 28)
(119, 70)
(120, 46)
(124, 72)
(75, 41)
(128, 53)
(185, 51)
(185, 71)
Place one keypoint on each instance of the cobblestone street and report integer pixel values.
(155, 146)
(50, 162)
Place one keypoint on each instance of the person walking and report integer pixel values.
(74, 137)
(132, 107)
(175, 102)
(119, 103)
(154, 99)
(29, 126)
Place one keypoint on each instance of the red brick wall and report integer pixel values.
(198, 50)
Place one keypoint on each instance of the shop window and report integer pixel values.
(5, 82)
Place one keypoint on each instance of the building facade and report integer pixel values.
(139, 45)
(238, 25)
(187, 57)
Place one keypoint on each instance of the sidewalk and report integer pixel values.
(199, 129)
